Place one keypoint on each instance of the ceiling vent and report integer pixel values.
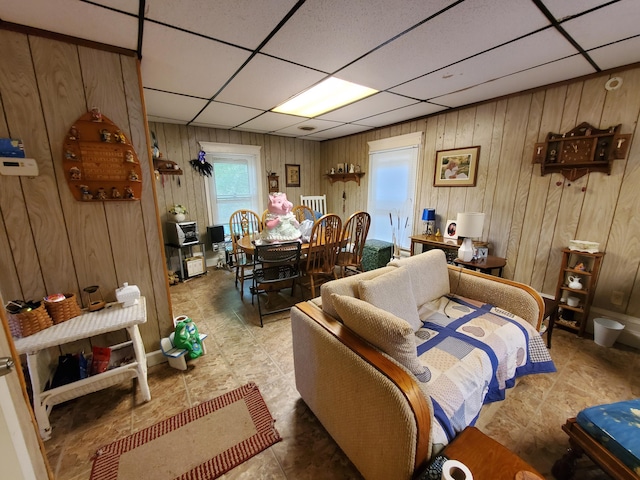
(307, 128)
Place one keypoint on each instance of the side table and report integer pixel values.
(550, 312)
(485, 458)
(485, 265)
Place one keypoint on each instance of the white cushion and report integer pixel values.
(393, 335)
(429, 275)
(392, 292)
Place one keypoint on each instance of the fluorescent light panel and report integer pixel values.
(324, 97)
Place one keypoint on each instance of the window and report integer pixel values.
(393, 165)
(236, 182)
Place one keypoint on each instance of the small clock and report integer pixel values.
(577, 151)
(273, 184)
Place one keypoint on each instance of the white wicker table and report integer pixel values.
(36, 346)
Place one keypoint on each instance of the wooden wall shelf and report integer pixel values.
(581, 150)
(166, 167)
(345, 177)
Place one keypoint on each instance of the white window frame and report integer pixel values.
(254, 151)
(388, 145)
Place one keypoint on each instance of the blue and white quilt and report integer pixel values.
(464, 338)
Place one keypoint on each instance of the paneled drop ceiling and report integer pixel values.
(227, 63)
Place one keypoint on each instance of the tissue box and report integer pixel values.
(128, 295)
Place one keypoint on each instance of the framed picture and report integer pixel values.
(450, 230)
(292, 175)
(457, 167)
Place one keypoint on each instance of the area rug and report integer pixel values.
(200, 443)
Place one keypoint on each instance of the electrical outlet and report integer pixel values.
(617, 297)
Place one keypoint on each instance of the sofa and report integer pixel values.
(392, 361)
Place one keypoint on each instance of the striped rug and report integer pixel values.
(200, 443)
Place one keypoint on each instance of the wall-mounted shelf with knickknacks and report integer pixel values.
(581, 150)
(345, 177)
(166, 167)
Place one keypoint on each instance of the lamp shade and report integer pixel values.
(428, 214)
(470, 224)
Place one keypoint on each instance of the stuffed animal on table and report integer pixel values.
(280, 225)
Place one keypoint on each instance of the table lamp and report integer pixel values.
(429, 219)
(469, 226)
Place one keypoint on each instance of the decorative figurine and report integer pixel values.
(281, 225)
(352, 169)
(86, 194)
(105, 135)
(115, 193)
(75, 173)
(333, 171)
(101, 194)
(96, 116)
(357, 168)
(133, 176)
(120, 138)
(128, 192)
(73, 133)
(128, 157)
(69, 155)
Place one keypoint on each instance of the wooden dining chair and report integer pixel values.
(264, 217)
(277, 267)
(302, 213)
(324, 246)
(241, 224)
(354, 235)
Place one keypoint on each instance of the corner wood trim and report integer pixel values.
(406, 383)
(536, 296)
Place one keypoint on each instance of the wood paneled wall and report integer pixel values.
(529, 218)
(50, 242)
(180, 144)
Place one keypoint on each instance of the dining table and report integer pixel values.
(248, 247)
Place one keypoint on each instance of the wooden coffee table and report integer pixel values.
(487, 459)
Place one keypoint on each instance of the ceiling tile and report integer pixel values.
(550, 73)
(77, 19)
(267, 82)
(329, 34)
(168, 105)
(622, 18)
(561, 8)
(175, 61)
(621, 53)
(240, 22)
(339, 131)
(153, 118)
(373, 105)
(270, 121)
(412, 111)
(508, 59)
(225, 114)
(122, 5)
(467, 29)
(314, 122)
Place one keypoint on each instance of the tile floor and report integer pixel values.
(239, 351)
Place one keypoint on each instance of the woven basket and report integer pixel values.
(27, 323)
(63, 310)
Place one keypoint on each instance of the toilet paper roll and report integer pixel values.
(455, 470)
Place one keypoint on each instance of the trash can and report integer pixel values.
(606, 331)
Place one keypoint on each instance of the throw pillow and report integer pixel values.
(429, 275)
(393, 335)
(392, 292)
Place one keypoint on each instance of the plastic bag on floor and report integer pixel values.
(187, 337)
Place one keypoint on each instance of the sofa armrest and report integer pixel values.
(514, 297)
(403, 384)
